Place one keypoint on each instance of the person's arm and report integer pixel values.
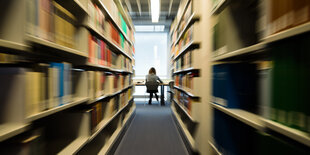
(159, 80)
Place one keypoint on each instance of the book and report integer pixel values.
(234, 86)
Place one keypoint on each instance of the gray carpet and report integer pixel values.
(152, 132)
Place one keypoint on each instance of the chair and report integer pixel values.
(151, 87)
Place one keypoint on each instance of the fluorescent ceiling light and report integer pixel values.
(155, 8)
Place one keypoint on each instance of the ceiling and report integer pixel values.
(140, 11)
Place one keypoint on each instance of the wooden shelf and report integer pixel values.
(114, 22)
(115, 136)
(82, 7)
(80, 142)
(186, 70)
(191, 45)
(104, 68)
(184, 110)
(182, 126)
(107, 40)
(214, 148)
(74, 146)
(182, 14)
(46, 43)
(186, 92)
(12, 129)
(108, 95)
(76, 101)
(192, 19)
(105, 122)
(74, 6)
(240, 52)
(295, 134)
(248, 118)
(288, 33)
(219, 6)
(9, 46)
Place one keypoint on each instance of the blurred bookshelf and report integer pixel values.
(78, 74)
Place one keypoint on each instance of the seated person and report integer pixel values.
(152, 82)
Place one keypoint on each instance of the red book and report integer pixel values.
(108, 57)
(89, 48)
(102, 53)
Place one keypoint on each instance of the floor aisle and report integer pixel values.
(152, 132)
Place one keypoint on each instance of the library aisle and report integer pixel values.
(152, 131)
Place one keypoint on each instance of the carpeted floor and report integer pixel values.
(152, 132)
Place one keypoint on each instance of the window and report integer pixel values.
(151, 51)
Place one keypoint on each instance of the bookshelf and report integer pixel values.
(297, 135)
(249, 118)
(186, 49)
(36, 40)
(215, 150)
(10, 130)
(63, 81)
(10, 46)
(243, 43)
(270, 121)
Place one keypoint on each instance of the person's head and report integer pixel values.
(152, 71)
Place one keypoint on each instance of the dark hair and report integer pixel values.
(152, 70)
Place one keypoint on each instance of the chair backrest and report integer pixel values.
(150, 85)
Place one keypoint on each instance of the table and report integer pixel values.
(162, 90)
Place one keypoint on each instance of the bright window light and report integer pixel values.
(155, 8)
(159, 28)
(150, 28)
(144, 28)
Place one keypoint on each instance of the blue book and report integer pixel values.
(234, 85)
(232, 136)
(60, 67)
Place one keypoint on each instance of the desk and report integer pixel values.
(162, 91)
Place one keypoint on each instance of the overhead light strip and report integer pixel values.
(155, 8)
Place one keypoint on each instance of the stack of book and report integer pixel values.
(48, 20)
(98, 52)
(277, 16)
(234, 86)
(235, 27)
(290, 83)
(44, 86)
(104, 25)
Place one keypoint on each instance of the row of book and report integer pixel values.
(235, 85)
(184, 40)
(104, 110)
(234, 137)
(184, 20)
(40, 87)
(278, 15)
(290, 83)
(100, 53)
(189, 82)
(101, 83)
(119, 19)
(183, 100)
(184, 61)
(278, 92)
(48, 20)
(235, 27)
(8, 58)
(179, 14)
(103, 24)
